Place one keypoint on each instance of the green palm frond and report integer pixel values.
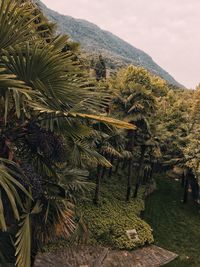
(45, 95)
(3, 226)
(83, 154)
(108, 149)
(17, 22)
(24, 235)
(10, 186)
(53, 74)
(9, 80)
(14, 92)
(76, 183)
(127, 154)
(115, 122)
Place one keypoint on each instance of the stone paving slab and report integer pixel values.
(81, 256)
(87, 256)
(151, 256)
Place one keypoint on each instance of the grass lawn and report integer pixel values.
(176, 225)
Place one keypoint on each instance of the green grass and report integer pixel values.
(176, 225)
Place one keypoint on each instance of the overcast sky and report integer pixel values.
(168, 30)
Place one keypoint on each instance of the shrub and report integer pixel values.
(108, 222)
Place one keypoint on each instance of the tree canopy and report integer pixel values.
(62, 132)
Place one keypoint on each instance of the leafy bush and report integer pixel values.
(108, 223)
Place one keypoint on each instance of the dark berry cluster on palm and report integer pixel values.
(46, 143)
(47, 108)
(59, 126)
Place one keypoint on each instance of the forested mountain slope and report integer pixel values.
(116, 51)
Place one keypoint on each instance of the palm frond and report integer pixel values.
(24, 235)
(11, 187)
(17, 23)
(83, 154)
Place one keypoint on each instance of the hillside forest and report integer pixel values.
(79, 150)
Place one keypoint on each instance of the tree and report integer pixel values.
(191, 148)
(46, 101)
(100, 68)
(136, 103)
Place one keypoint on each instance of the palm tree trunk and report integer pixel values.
(185, 196)
(141, 162)
(195, 189)
(103, 172)
(152, 169)
(129, 180)
(98, 183)
(111, 168)
(145, 176)
(124, 164)
(137, 185)
(117, 166)
(183, 180)
(151, 172)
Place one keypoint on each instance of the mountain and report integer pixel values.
(94, 40)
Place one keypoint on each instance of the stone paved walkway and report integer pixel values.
(82, 256)
(151, 256)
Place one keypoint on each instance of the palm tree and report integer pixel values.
(46, 102)
(108, 145)
(136, 104)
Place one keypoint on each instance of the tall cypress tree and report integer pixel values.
(100, 69)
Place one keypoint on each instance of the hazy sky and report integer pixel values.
(168, 30)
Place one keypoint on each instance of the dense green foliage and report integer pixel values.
(107, 223)
(100, 69)
(176, 226)
(46, 100)
(69, 139)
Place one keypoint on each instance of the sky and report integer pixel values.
(167, 30)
